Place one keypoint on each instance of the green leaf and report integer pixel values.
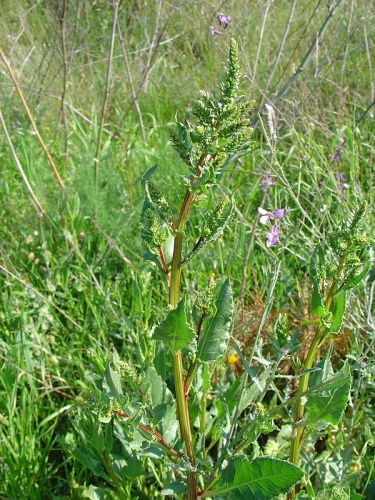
(148, 174)
(338, 310)
(154, 198)
(354, 279)
(108, 433)
(214, 225)
(175, 330)
(317, 275)
(261, 479)
(95, 493)
(214, 338)
(317, 303)
(328, 402)
(133, 468)
(89, 462)
(97, 440)
(161, 404)
(175, 490)
(112, 384)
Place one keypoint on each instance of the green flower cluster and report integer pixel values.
(221, 129)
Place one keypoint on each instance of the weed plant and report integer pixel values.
(81, 311)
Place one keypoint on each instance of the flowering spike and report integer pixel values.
(221, 130)
(231, 84)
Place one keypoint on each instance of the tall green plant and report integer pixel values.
(331, 279)
(195, 332)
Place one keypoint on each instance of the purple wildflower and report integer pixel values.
(223, 20)
(343, 185)
(272, 236)
(267, 182)
(341, 178)
(267, 216)
(335, 157)
(279, 213)
(213, 31)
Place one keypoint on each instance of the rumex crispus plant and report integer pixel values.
(195, 330)
(332, 275)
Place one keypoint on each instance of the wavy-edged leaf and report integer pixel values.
(338, 310)
(160, 403)
(89, 462)
(154, 231)
(262, 479)
(112, 384)
(181, 142)
(354, 279)
(214, 338)
(154, 198)
(329, 402)
(317, 274)
(175, 330)
(214, 225)
(133, 467)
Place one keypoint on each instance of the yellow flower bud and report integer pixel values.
(232, 358)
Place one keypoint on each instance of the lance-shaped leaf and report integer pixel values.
(354, 278)
(180, 139)
(154, 198)
(160, 403)
(175, 330)
(317, 275)
(328, 402)
(261, 479)
(214, 225)
(338, 310)
(112, 384)
(113, 396)
(154, 232)
(214, 337)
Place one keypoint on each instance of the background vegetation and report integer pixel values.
(73, 284)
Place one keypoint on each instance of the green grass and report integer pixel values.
(68, 296)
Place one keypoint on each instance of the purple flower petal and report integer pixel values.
(264, 219)
(279, 213)
(272, 236)
(267, 182)
(223, 20)
(266, 216)
(213, 31)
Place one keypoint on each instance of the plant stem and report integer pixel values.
(159, 438)
(178, 371)
(299, 409)
(184, 420)
(298, 427)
